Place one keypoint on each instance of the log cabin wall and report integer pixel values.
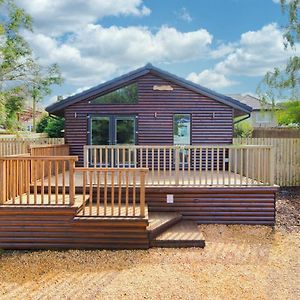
(211, 121)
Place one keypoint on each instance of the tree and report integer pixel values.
(40, 85)
(15, 60)
(19, 71)
(285, 83)
(289, 113)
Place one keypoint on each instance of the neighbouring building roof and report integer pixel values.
(58, 107)
(252, 101)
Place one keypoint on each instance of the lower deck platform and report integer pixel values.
(57, 225)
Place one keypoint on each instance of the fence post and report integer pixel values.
(2, 181)
(272, 165)
(72, 181)
(177, 148)
(142, 193)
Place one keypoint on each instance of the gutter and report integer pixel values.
(53, 116)
(242, 119)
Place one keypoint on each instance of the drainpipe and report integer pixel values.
(243, 119)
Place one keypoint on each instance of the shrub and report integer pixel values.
(243, 129)
(52, 126)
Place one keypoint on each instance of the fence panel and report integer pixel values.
(15, 146)
(287, 157)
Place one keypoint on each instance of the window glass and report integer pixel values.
(263, 117)
(182, 129)
(125, 95)
(125, 130)
(100, 131)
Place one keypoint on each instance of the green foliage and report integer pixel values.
(19, 71)
(290, 113)
(52, 126)
(285, 83)
(243, 129)
(42, 123)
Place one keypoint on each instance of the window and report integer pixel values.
(125, 95)
(182, 129)
(263, 117)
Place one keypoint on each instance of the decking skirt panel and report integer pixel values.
(245, 205)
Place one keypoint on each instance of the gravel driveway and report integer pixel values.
(238, 262)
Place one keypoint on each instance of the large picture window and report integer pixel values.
(125, 95)
(182, 129)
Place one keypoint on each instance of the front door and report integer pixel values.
(112, 130)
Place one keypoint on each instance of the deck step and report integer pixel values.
(184, 234)
(161, 221)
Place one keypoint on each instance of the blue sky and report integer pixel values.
(226, 45)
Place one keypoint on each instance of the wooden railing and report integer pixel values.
(28, 180)
(113, 192)
(197, 165)
(49, 150)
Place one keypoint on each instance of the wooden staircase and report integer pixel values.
(169, 230)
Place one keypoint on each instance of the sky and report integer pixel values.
(225, 45)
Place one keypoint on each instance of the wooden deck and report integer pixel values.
(155, 178)
(111, 211)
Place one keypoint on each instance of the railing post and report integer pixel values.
(85, 156)
(142, 193)
(177, 148)
(72, 181)
(272, 165)
(2, 181)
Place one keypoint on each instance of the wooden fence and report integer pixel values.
(287, 158)
(15, 146)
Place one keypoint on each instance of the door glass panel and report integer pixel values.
(182, 129)
(125, 134)
(100, 131)
(125, 130)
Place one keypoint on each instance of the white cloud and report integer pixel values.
(257, 52)
(95, 53)
(184, 15)
(211, 79)
(286, 1)
(55, 17)
(223, 50)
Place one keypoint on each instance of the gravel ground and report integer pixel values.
(238, 262)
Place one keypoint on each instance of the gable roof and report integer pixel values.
(252, 101)
(58, 107)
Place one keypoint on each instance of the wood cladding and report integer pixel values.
(246, 205)
(212, 121)
(25, 227)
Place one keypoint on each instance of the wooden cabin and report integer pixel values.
(148, 107)
(148, 157)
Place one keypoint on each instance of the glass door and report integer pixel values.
(100, 135)
(125, 132)
(182, 136)
(100, 131)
